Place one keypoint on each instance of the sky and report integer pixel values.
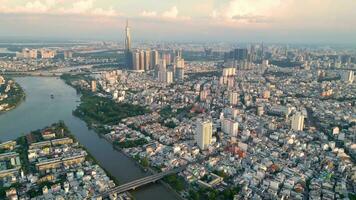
(283, 21)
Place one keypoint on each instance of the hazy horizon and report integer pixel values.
(247, 21)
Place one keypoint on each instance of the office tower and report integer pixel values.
(154, 59)
(179, 74)
(127, 37)
(162, 66)
(147, 60)
(167, 58)
(135, 61)
(233, 98)
(297, 122)
(348, 76)
(240, 54)
(179, 62)
(230, 127)
(169, 77)
(142, 60)
(128, 52)
(179, 70)
(93, 85)
(204, 132)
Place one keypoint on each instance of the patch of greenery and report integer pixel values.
(175, 181)
(131, 143)
(101, 110)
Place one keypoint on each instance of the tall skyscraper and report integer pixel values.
(147, 60)
(204, 132)
(127, 37)
(142, 60)
(135, 61)
(297, 122)
(154, 59)
(128, 52)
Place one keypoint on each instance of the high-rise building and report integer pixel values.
(127, 37)
(135, 61)
(68, 54)
(179, 74)
(93, 85)
(348, 76)
(154, 59)
(169, 77)
(297, 122)
(167, 57)
(147, 60)
(142, 60)
(233, 98)
(204, 132)
(47, 53)
(230, 127)
(28, 53)
(229, 71)
(128, 52)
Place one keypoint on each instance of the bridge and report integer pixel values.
(139, 182)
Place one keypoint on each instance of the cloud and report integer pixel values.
(252, 19)
(53, 7)
(170, 14)
(148, 13)
(251, 11)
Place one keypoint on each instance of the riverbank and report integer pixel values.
(98, 112)
(11, 94)
(46, 163)
(39, 110)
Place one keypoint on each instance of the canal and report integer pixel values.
(39, 110)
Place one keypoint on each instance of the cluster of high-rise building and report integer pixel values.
(168, 66)
(37, 53)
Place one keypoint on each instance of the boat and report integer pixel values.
(52, 96)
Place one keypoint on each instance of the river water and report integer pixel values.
(39, 110)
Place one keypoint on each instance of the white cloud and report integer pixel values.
(148, 13)
(247, 10)
(171, 13)
(82, 7)
(105, 12)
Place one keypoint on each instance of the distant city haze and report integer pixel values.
(284, 21)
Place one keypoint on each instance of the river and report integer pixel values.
(39, 110)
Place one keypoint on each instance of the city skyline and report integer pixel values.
(306, 21)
